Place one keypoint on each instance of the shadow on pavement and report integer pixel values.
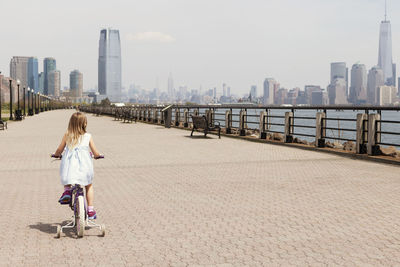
(51, 228)
(198, 137)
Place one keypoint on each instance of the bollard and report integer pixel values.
(242, 123)
(361, 136)
(374, 136)
(149, 115)
(320, 130)
(228, 122)
(289, 127)
(263, 125)
(186, 118)
(177, 117)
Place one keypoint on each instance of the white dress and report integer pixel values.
(77, 164)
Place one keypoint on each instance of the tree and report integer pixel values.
(105, 102)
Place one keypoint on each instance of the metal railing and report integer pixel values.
(337, 123)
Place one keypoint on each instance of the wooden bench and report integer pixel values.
(3, 125)
(18, 115)
(200, 122)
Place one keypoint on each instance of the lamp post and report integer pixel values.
(39, 102)
(34, 103)
(11, 100)
(18, 109)
(24, 101)
(29, 102)
(1, 80)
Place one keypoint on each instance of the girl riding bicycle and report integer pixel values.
(76, 162)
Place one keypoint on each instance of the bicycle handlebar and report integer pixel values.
(59, 157)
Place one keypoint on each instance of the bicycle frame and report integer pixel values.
(78, 190)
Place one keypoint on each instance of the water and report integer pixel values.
(253, 123)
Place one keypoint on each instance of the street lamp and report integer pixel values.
(24, 101)
(11, 101)
(39, 103)
(18, 110)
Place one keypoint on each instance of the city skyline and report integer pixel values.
(155, 47)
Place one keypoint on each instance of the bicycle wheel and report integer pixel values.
(80, 216)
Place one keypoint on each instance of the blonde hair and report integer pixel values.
(76, 128)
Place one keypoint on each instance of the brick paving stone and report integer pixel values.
(171, 200)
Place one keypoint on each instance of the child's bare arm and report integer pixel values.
(61, 147)
(95, 152)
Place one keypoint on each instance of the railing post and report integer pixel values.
(263, 125)
(289, 127)
(155, 115)
(320, 130)
(186, 118)
(242, 123)
(374, 137)
(228, 122)
(162, 119)
(177, 116)
(361, 128)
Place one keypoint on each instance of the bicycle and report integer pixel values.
(80, 219)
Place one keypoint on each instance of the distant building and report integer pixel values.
(375, 80)
(309, 89)
(253, 92)
(49, 65)
(281, 95)
(337, 92)
(385, 61)
(171, 90)
(339, 70)
(76, 83)
(358, 89)
(33, 75)
(223, 89)
(386, 95)
(109, 64)
(319, 98)
(19, 70)
(41, 82)
(268, 97)
(54, 83)
(228, 92)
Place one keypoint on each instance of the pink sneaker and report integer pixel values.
(92, 214)
(65, 197)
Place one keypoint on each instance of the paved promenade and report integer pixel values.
(171, 200)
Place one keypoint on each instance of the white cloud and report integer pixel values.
(154, 37)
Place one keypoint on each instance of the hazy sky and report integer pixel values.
(202, 42)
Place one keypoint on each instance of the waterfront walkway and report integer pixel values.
(171, 200)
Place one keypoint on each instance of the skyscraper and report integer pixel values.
(54, 83)
(49, 65)
(269, 85)
(337, 92)
(33, 79)
(19, 70)
(358, 89)
(109, 64)
(339, 70)
(385, 61)
(253, 91)
(375, 80)
(224, 89)
(76, 83)
(171, 90)
(41, 82)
